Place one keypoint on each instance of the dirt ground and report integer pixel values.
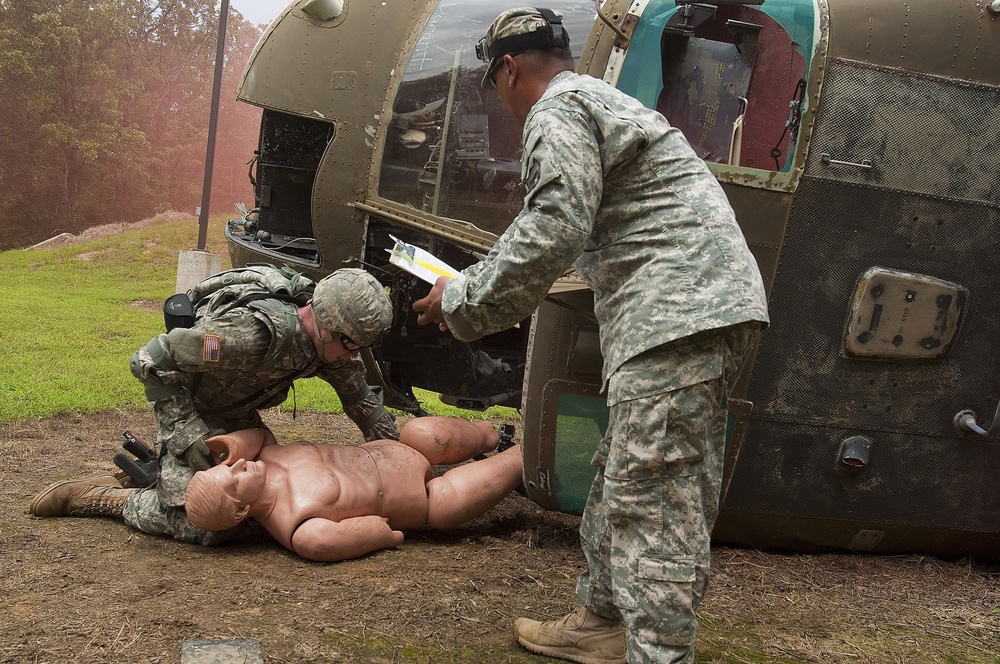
(93, 590)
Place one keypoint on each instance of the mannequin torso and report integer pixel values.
(336, 482)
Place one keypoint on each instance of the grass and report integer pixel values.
(73, 315)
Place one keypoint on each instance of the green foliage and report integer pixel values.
(107, 108)
(72, 317)
(314, 394)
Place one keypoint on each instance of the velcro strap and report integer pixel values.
(157, 392)
(371, 419)
(347, 400)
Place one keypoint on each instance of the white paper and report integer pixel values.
(419, 263)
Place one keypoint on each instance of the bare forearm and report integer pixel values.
(328, 541)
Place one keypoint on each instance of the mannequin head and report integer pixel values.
(219, 498)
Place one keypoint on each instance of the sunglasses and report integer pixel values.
(494, 67)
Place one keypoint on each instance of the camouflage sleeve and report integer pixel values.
(178, 423)
(562, 167)
(168, 364)
(362, 403)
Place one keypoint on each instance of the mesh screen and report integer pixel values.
(290, 151)
(923, 134)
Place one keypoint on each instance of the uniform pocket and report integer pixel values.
(673, 570)
(662, 599)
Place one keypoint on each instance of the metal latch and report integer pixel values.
(966, 421)
(865, 164)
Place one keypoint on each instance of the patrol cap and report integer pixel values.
(352, 303)
(517, 30)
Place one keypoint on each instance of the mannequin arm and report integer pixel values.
(228, 448)
(327, 541)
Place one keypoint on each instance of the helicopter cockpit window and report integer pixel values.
(730, 76)
(451, 148)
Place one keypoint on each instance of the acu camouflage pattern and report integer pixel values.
(194, 399)
(617, 192)
(646, 529)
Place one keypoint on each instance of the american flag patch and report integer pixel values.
(210, 351)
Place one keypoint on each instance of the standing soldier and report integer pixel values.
(616, 192)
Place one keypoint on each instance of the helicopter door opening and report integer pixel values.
(730, 74)
(287, 159)
(705, 87)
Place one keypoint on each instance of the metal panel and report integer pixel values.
(835, 233)
(923, 481)
(926, 207)
(959, 38)
(809, 396)
(917, 133)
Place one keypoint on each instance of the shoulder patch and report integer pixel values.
(210, 349)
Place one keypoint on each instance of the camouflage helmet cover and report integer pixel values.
(353, 303)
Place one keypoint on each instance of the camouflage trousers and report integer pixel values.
(374, 421)
(649, 516)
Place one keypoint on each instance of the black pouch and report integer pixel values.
(178, 311)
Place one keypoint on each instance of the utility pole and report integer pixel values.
(195, 265)
(213, 120)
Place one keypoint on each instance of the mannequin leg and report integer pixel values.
(449, 440)
(465, 492)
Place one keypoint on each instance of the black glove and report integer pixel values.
(198, 456)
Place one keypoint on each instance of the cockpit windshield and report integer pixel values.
(451, 149)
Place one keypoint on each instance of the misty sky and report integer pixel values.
(259, 11)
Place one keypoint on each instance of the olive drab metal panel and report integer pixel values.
(895, 190)
(904, 130)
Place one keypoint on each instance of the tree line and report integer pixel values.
(104, 113)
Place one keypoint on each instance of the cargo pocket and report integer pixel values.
(670, 570)
(665, 601)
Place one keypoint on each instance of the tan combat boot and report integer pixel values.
(100, 495)
(582, 636)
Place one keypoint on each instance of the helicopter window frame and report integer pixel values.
(450, 149)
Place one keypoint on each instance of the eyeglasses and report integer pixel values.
(495, 68)
(491, 74)
(351, 346)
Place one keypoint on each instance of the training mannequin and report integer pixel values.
(334, 502)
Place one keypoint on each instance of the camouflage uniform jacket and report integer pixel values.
(617, 192)
(219, 373)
